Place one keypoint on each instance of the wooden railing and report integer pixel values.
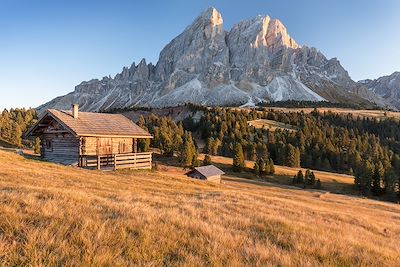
(118, 161)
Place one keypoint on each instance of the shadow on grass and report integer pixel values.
(31, 156)
(6, 145)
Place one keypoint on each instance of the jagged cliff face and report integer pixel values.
(255, 61)
(387, 87)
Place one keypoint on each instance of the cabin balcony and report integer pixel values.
(134, 161)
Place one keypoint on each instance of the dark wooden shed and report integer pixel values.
(90, 139)
(209, 173)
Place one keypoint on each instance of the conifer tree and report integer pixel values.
(238, 158)
(17, 136)
(292, 156)
(300, 177)
(271, 167)
(143, 143)
(267, 166)
(141, 122)
(195, 161)
(36, 146)
(262, 165)
(188, 151)
(364, 177)
(207, 160)
(307, 176)
(256, 168)
(313, 179)
(253, 153)
(391, 182)
(215, 146)
(209, 146)
(377, 179)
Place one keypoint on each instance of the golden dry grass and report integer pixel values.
(271, 125)
(56, 215)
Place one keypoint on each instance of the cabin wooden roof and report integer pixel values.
(209, 170)
(93, 124)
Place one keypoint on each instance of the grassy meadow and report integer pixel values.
(55, 215)
(271, 125)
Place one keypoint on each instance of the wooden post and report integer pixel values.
(115, 162)
(150, 161)
(136, 156)
(98, 162)
(80, 152)
(135, 148)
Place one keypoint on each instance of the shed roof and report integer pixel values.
(94, 124)
(209, 170)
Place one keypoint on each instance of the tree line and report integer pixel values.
(316, 104)
(13, 123)
(366, 148)
(171, 138)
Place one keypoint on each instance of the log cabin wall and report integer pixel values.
(60, 148)
(91, 146)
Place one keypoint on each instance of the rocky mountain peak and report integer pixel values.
(255, 61)
(264, 32)
(277, 35)
(258, 27)
(210, 18)
(192, 53)
(396, 74)
(387, 87)
(213, 16)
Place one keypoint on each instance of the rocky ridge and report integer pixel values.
(387, 87)
(255, 61)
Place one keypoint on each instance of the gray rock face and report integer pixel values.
(255, 61)
(193, 53)
(387, 87)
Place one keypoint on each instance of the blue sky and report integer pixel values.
(48, 47)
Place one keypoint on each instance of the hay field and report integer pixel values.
(271, 125)
(55, 215)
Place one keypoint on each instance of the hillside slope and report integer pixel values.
(51, 214)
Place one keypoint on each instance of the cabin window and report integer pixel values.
(123, 148)
(104, 146)
(83, 146)
(49, 145)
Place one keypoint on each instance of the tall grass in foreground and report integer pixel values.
(54, 215)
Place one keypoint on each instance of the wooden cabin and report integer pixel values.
(88, 139)
(209, 173)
